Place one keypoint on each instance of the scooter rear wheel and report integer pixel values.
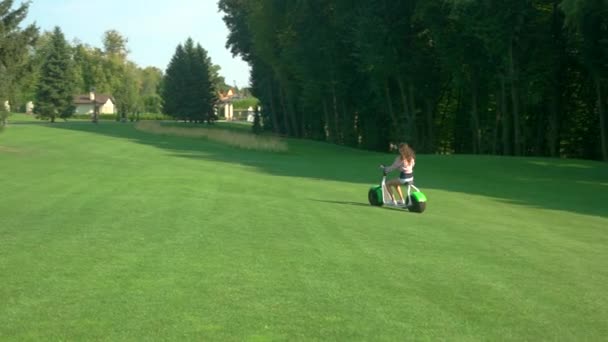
(373, 197)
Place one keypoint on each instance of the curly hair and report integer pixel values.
(406, 152)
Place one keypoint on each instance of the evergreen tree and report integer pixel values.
(205, 90)
(190, 106)
(174, 84)
(188, 91)
(55, 91)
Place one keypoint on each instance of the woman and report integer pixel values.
(404, 162)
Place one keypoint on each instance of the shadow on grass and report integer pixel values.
(567, 185)
(357, 204)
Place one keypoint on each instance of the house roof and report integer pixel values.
(99, 99)
(226, 97)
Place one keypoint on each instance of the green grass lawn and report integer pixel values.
(21, 118)
(109, 233)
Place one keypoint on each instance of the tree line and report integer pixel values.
(520, 77)
(47, 69)
(14, 43)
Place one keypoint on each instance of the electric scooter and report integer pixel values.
(378, 195)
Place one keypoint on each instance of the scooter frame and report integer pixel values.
(388, 201)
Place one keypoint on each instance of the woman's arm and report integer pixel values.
(395, 165)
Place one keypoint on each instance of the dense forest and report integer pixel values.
(520, 77)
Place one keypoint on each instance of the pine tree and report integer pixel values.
(190, 105)
(54, 94)
(188, 92)
(204, 85)
(173, 84)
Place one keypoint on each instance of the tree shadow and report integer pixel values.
(567, 185)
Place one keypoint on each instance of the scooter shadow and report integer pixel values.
(359, 204)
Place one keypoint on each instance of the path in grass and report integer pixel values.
(110, 233)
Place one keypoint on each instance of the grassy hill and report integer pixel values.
(111, 233)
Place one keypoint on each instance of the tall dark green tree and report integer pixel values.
(204, 97)
(190, 107)
(589, 18)
(174, 83)
(55, 91)
(188, 91)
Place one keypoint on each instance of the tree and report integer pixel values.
(115, 44)
(449, 76)
(127, 94)
(218, 82)
(94, 70)
(589, 18)
(174, 83)
(14, 45)
(150, 78)
(54, 94)
(204, 97)
(188, 92)
(109, 71)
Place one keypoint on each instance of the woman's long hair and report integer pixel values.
(407, 153)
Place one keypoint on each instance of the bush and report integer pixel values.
(104, 117)
(244, 104)
(130, 117)
(149, 116)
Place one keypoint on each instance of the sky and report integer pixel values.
(153, 28)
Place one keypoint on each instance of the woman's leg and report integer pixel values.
(393, 183)
(400, 192)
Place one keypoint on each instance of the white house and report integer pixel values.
(85, 104)
(29, 107)
(226, 101)
(250, 114)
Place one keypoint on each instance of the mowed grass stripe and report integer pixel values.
(109, 233)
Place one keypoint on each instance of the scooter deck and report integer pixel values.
(402, 206)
